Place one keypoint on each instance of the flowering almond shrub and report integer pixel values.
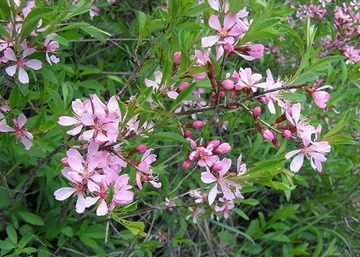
(173, 128)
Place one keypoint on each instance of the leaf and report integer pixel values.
(340, 139)
(14, 97)
(49, 75)
(341, 124)
(68, 231)
(5, 245)
(276, 236)
(305, 77)
(135, 227)
(60, 40)
(243, 234)
(12, 234)
(31, 218)
(57, 99)
(91, 30)
(227, 237)
(241, 213)
(247, 201)
(3, 32)
(182, 96)
(170, 135)
(295, 37)
(32, 19)
(295, 97)
(323, 62)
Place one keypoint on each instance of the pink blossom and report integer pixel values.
(246, 79)
(144, 170)
(157, 86)
(320, 97)
(51, 47)
(315, 151)
(21, 63)
(195, 213)
(352, 54)
(221, 180)
(19, 131)
(225, 207)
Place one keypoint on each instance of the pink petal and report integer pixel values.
(23, 76)
(34, 64)
(80, 204)
(172, 94)
(26, 142)
(292, 153)
(214, 22)
(5, 128)
(11, 70)
(75, 164)
(64, 193)
(67, 121)
(102, 210)
(207, 177)
(75, 131)
(209, 41)
(212, 195)
(87, 120)
(229, 20)
(22, 120)
(297, 162)
(214, 4)
(28, 51)
(10, 55)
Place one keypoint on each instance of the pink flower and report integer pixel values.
(144, 170)
(246, 79)
(352, 54)
(161, 88)
(320, 97)
(313, 150)
(225, 207)
(221, 181)
(195, 213)
(51, 47)
(20, 132)
(21, 63)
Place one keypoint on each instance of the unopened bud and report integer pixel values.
(214, 143)
(222, 94)
(187, 133)
(223, 148)
(256, 111)
(183, 86)
(141, 148)
(227, 84)
(228, 48)
(192, 142)
(268, 135)
(177, 58)
(65, 161)
(232, 107)
(186, 164)
(276, 142)
(197, 124)
(217, 166)
(286, 133)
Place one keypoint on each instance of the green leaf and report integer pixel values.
(338, 127)
(91, 30)
(182, 96)
(12, 234)
(135, 227)
(68, 231)
(14, 97)
(243, 234)
(323, 62)
(268, 23)
(276, 236)
(247, 201)
(32, 19)
(344, 72)
(241, 213)
(57, 99)
(3, 32)
(60, 40)
(31, 218)
(294, 97)
(170, 135)
(340, 139)
(305, 77)
(49, 75)
(5, 245)
(295, 37)
(227, 237)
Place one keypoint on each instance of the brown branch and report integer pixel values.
(238, 102)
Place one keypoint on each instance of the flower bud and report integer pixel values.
(223, 148)
(276, 142)
(187, 133)
(286, 133)
(228, 48)
(65, 161)
(214, 143)
(257, 51)
(227, 84)
(177, 58)
(268, 135)
(186, 164)
(197, 124)
(141, 148)
(192, 142)
(217, 166)
(256, 112)
(222, 94)
(232, 107)
(183, 86)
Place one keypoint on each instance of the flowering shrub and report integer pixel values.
(133, 139)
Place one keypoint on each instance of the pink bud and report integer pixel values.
(268, 135)
(183, 86)
(232, 107)
(65, 161)
(187, 133)
(227, 84)
(286, 133)
(276, 142)
(229, 48)
(223, 148)
(256, 112)
(177, 58)
(141, 148)
(217, 166)
(192, 142)
(222, 94)
(214, 143)
(186, 164)
(257, 51)
(197, 124)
